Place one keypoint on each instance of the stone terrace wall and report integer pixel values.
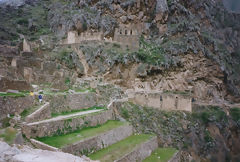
(163, 101)
(20, 85)
(141, 152)
(176, 157)
(100, 141)
(42, 113)
(14, 105)
(42, 146)
(60, 103)
(34, 130)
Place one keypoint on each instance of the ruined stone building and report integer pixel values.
(73, 37)
(125, 35)
(162, 101)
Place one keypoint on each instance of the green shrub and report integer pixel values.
(67, 81)
(9, 135)
(150, 53)
(124, 112)
(22, 21)
(211, 114)
(84, 25)
(235, 114)
(207, 136)
(116, 45)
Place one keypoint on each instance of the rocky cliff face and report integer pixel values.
(25, 153)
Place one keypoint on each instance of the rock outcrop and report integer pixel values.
(26, 154)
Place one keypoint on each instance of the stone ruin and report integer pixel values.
(162, 101)
(74, 37)
(26, 46)
(125, 35)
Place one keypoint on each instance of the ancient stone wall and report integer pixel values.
(48, 67)
(26, 46)
(41, 129)
(43, 146)
(163, 101)
(14, 62)
(60, 103)
(100, 141)
(14, 105)
(140, 152)
(176, 157)
(28, 62)
(73, 37)
(42, 113)
(20, 85)
(127, 35)
(90, 36)
(28, 74)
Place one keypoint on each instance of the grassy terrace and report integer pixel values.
(8, 94)
(70, 138)
(119, 149)
(76, 111)
(161, 155)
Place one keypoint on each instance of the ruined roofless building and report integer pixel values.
(73, 37)
(127, 35)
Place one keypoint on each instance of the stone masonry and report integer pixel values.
(33, 130)
(163, 101)
(99, 141)
(140, 152)
(69, 102)
(126, 35)
(12, 105)
(42, 113)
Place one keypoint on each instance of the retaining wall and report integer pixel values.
(42, 129)
(69, 102)
(140, 152)
(100, 141)
(176, 157)
(20, 85)
(14, 105)
(42, 113)
(43, 146)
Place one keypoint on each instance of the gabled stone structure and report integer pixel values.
(127, 35)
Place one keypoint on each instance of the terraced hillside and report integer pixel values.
(119, 80)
